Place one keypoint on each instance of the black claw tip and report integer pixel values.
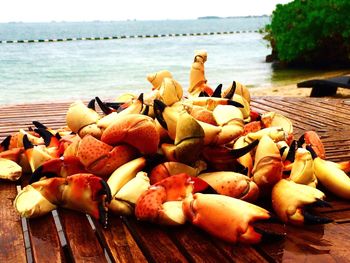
(321, 203)
(39, 173)
(310, 219)
(244, 150)
(301, 140)
(313, 153)
(235, 103)
(106, 190)
(217, 91)
(140, 98)
(114, 105)
(103, 215)
(45, 134)
(232, 91)
(145, 110)
(282, 150)
(6, 142)
(159, 107)
(91, 104)
(292, 149)
(240, 168)
(26, 143)
(106, 110)
(270, 231)
(39, 125)
(203, 94)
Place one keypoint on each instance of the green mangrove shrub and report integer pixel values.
(311, 33)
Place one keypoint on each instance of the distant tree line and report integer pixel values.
(312, 33)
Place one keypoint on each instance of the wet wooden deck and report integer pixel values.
(66, 236)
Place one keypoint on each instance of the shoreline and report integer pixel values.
(291, 90)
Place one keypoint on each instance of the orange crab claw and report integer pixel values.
(36, 154)
(134, 129)
(225, 217)
(153, 204)
(268, 166)
(232, 184)
(290, 201)
(13, 154)
(86, 193)
(102, 159)
(50, 140)
(312, 138)
(58, 167)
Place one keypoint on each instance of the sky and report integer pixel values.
(107, 10)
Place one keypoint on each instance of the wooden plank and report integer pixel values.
(12, 246)
(82, 241)
(311, 244)
(155, 244)
(120, 245)
(45, 243)
(44, 239)
(193, 242)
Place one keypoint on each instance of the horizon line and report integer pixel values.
(134, 19)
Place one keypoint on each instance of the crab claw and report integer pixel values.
(123, 202)
(302, 171)
(170, 91)
(246, 158)
(291, 200)
(198, 82)
(268, 166)
(14, 154)
(230, 125)
(188, 141)
(82, 192)
(157, 78)
(161, 203)
(225, 217)
(36, 154)
(232, 184)
(331, 176)
(136, 130)
(102, 159)
(201, 114)
(9, 170)
(273, 119)
(275, 133)
(58, 167)
(311, 138)
(82, 120)
(135, 106)
(51, 141)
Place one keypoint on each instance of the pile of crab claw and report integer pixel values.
(206, 158)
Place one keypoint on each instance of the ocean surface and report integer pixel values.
(60, 71)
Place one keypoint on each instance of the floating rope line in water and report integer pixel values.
(124, 36)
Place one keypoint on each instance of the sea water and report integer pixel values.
(61, 71)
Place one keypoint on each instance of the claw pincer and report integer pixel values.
(225, 217)
(290, 201)
(86, 193)
(162, 202)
